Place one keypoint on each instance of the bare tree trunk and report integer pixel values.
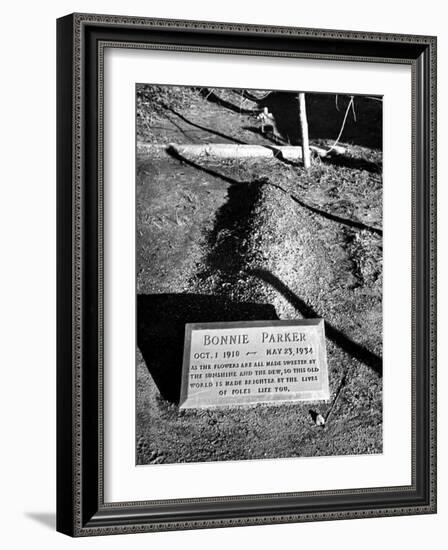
(304, 131)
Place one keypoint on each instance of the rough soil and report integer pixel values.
(257, 239)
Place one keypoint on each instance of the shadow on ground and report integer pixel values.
(48, 519)
(211, 96)
(325, 115)
(356, 350)
(161, 320)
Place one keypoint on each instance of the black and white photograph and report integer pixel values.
(259, 211)
(223, 235)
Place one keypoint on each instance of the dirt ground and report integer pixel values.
(257, 239)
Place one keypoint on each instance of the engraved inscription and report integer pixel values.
(244, 363)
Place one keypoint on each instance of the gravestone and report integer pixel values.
(242, 363)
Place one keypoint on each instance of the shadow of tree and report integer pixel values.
(350, 162)
(355, 224)
(176, 155)
(200, 127)
(356, 350)
(251, 186)
(209, 95)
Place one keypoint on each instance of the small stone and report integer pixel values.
(320, 420)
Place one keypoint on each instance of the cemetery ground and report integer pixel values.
(261, 238)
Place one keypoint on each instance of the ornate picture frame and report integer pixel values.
(81, 506)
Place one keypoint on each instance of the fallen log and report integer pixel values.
(234, 150)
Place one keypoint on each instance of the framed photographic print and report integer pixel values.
(246, 274)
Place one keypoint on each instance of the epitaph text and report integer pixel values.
(253, 362)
